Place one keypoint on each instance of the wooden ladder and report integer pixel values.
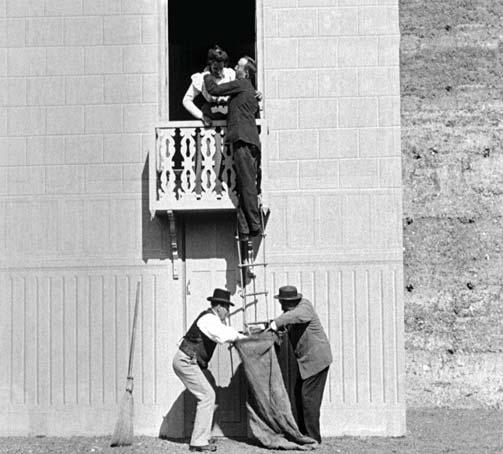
(248, 267)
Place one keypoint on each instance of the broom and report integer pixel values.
(123, 433)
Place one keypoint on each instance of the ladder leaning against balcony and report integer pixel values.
(191, 169)
(248, 274)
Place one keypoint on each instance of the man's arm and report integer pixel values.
(229, 88)
(299, 314)
(212, 327)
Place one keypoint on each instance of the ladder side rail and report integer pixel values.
(242, 280)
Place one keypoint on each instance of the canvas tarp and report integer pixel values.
(268, 405)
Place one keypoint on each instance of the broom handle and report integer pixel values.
(133, 334)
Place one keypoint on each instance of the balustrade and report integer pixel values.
(192, 168)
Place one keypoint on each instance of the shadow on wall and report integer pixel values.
(209, 249)
(200, 236)
(184, 409)
(154, 231)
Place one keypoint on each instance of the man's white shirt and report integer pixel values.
(212, 327)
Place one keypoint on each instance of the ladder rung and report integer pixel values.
(245, 295)
(263, 235)
(240, 309)
(249, 265)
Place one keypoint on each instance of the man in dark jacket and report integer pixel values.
(242, 133)
(191, 362)
(312, 350)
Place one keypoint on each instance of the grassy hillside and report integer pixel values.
(452, 142)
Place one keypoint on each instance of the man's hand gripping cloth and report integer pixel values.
(269, 412)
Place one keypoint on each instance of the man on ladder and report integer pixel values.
(242, 133)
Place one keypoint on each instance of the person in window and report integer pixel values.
(190, 363)
(215, 107)
(242, 133)
(312, 351)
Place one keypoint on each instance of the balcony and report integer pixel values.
(191, 168)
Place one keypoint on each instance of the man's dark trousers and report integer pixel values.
(246, 160)
(309, 396)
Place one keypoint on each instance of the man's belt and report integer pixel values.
(184, 347)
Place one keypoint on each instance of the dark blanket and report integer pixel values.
(269, 412)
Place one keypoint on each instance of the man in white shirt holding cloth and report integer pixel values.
(191, 362)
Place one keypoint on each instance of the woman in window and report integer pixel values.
(215, 107)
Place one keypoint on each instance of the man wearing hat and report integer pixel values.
(312, 350)
(191, 362)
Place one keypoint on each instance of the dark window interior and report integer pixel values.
(193, 28)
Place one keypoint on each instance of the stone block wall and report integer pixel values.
(333, 178)
(78, 96)
(79, 90)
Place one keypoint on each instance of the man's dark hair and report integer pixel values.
(217, 54)
(251, 68)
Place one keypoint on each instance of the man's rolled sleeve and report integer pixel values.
(212, 327)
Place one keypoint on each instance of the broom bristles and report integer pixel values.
(123, 433)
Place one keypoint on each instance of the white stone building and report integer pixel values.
(85, 85)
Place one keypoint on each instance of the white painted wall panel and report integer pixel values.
(73, 356)
(359, 307)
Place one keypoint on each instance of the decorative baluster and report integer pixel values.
(198, 162)
(228, 174)
(225, 163)
(162, 163)
(188, 176)
(166, 151)
(208, 176)
(217, 167)
(170, 163)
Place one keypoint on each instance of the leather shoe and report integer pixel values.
(204, 448)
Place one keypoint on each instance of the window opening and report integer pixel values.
(194, 27)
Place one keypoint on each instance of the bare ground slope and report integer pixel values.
(452, 142)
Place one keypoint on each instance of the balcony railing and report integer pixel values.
(192, 168)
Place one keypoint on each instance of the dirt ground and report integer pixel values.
(429, 431)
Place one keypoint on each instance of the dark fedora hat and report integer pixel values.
(221, 296)
(288, 293)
